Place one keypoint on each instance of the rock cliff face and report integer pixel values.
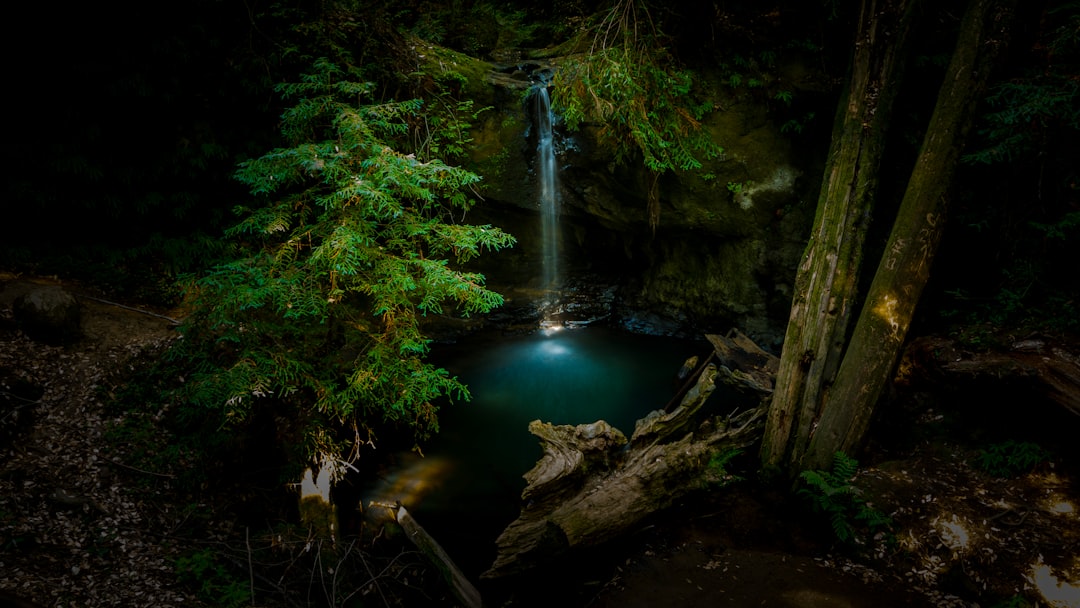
(729, 236)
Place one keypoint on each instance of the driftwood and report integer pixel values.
(592, 484)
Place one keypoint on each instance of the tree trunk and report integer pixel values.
(878, 338)
(826, 283)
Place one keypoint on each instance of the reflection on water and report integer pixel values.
(566, 377)
(414, 478)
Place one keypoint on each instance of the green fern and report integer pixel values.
(1016, 601)
(1060, 229)
(716, 473)
(833, 494)
(214, 583)
(1011, 458)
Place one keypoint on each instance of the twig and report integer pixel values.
(336, 572)
(138, 310)
(374, 579)
(138, 470)
(1023, 515)
(13, 411)
(276, 587)
(14, 396)
(319, 568)
(251, 569)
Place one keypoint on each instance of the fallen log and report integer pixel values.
(463, 590)
(1049, 370)
(592, 484)
(750, 367)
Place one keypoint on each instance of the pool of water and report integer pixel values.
(467, 486)
(563, 377)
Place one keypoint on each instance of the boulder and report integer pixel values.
(49, 314)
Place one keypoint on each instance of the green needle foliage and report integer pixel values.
(629, 85)
(351, 243)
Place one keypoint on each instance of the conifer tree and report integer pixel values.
(351, 240)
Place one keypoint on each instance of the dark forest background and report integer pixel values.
(124, 127)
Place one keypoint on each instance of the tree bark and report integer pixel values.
(826, 283)
(877, 341)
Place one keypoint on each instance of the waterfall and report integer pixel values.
(547, 177)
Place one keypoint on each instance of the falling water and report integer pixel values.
(549, 197)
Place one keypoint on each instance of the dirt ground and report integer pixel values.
(71, 531)
(75, 530)
(957, 544)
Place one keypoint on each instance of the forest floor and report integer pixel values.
(80, 526)
(959, 538)
(74, 528)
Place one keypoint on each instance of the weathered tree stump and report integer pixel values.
(591, 485)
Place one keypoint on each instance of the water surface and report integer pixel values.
(468, 485)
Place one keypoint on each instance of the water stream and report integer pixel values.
(547, 176)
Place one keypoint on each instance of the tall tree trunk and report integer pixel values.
(878, 338)
(825, 286)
